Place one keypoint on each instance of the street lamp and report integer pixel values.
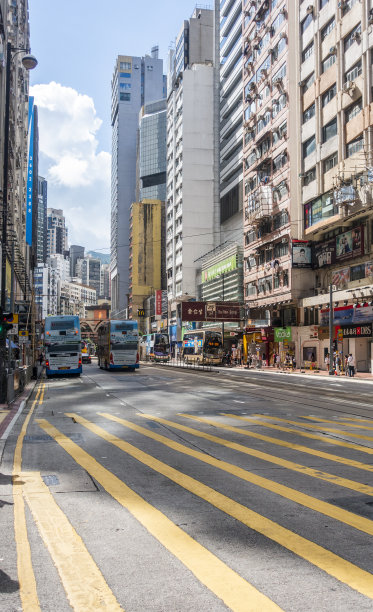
(29, 62)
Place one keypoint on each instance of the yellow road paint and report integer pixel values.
(278, 442)
(85, 586)
(236, 593)
(27, 583)
(331, 429)
(349, 518)
(339, 568)
(299, 447)
(343, 423)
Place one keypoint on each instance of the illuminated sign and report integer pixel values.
(30, 170)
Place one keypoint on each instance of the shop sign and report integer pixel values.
(340, 335)
(323, 332)
(282, 333)
(314, 331)
(350, 244)
(357, 331)
(193, 311)
(220, 268)
(158, 302)
(302, 254)
(325, 253)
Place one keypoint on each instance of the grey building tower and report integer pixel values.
(76, 252)
(136, 81)
(41, 248)
(152, 151)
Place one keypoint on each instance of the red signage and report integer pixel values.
(193, 311)
(158, 302)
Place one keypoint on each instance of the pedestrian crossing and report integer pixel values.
(194, 452)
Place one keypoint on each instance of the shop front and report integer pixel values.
(284, 346)
(258, 344)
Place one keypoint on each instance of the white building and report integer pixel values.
(56, 232)
(41, 283)
(191, 213)
(75, 297)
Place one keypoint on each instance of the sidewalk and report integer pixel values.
(366, 376)
(10, 413)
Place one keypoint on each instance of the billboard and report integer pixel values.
(325, 253)
(357, 331)
(210, 311)
(340, 278)
(228, 264)
(302, 254)
(350, 244)
(30, 170)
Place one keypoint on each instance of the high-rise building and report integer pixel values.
(192, 212)
(57, 232)
(136, 82)
(152, 151)
(89, 271)
(41, 284)
(76, 252)
(41, 252)
(105, 282)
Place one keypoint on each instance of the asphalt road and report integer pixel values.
(170, 490)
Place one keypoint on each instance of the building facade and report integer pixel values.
(89, 271)
(76, 252)
(136, 81)
(152, 152)
(41, 249)
(57, 232)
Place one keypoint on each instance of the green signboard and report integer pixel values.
(282, 333)
(220, 268)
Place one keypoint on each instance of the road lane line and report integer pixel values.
(85, 586)
(344, 422)
(298, 447)
(342, 570)
(328, 429)
(344, 516)
(225, 583)
(351, 445)
(27, 583)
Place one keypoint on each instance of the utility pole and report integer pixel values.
(331, 320)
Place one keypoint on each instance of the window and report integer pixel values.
(319, 209)
(329, 130)
(250, 289)
(125, 65)
(353, 36)
(323, 3)
(280, 219)
(125, 75)
(310, 176)
(308, 82)
(281, 249)
(330, 162)
(279, 161)
(277, 22)
(353, 110)
(125, 85)
(354, 72)
(125, 97)
(347, 6)
(329, 94)
(329, 61)
(308, 51)
(306, 22)
(309, 113)
(309, 147)
(328, 28)
(355, 146)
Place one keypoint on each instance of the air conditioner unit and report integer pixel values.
(349, 86)
(333, 50)
(283, 35)
(356, 36)
(309, 10)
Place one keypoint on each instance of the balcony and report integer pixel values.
(259, 204)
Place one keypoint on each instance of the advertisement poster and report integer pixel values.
(364, 314)
(340, 278)
(349, 244)
(282, 333)
(325, 253)
(341, 315)
(368, 269)
(302, 255)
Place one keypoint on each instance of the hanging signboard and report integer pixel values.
(210, 311)
(30, 170)
(357, 331)
(158, 302)
(302, 254)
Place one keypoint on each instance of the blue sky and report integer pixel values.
(76, 43)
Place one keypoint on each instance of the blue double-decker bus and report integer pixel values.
(62, 343)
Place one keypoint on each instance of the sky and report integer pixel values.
(76, 43)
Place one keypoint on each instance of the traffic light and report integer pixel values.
(5, 322)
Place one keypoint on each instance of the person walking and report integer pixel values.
(338, 364)
(346, 365)
(351, 365)
(327, 362)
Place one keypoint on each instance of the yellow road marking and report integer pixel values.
(331, 429)
(236, 593)
(343, 570)
(349, 518)
(278, 442)
(85, 586)
(350, 445)
(26, 577)
(343, 423)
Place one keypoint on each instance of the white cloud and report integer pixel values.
(78, 174)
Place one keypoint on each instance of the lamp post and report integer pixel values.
(29, 62)
(331, 321)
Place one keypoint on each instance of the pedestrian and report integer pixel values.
(278, 360)
(346, 365)
(327, 361)
(351, 365)
(338, 364)
(41, 358)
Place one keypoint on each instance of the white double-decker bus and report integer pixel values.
(118, 345)
(62, 342)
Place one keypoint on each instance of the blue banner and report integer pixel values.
(30, 170)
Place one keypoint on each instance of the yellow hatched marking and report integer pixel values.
(26, 577)
(331, 429)
(277, 441)
(349, 518)
(343, 423)
(85, 586)
(236, 593)
(339, 568)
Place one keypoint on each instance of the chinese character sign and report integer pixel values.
(158, 302)
(30, 171)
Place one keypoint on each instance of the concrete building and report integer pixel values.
(76, 252)
(41, 252)
(41, 285)
(152, 152)
(105, 282)
(75, 297)
(89, 271)
(147, 272)
(57, 232)
(192, 209)
(136, 82)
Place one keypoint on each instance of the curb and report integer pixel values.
(7, 425)
(368, 381)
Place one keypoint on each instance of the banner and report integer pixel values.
(221, 268)
(158, 302)
(30, 170)
(302, 255)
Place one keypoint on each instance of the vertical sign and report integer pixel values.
(158, 302)
(30, 170)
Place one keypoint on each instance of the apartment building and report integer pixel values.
(136, 81)
(191, 210)
(88, 270)
(57, 232)
(336, 52)
(41, 248)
